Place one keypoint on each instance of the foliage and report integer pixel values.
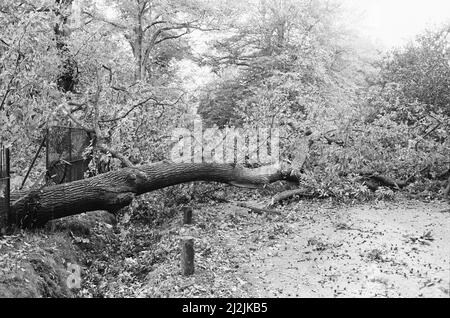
(286, 61)
(422, 71)
(369, 115)
(294, 65)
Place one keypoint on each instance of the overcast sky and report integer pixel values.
(394, 22)
(391, 22)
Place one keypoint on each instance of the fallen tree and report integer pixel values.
(115, 190)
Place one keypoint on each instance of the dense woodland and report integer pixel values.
(353, 208)
(356, 122)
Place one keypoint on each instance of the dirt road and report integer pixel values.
(384, 250)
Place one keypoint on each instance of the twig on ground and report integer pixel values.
(259, 211)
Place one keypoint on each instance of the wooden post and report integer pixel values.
(187, 245)
(187, 256)
(187, 215)
(4, 190)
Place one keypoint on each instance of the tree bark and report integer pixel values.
(115, 190)
(67, 79)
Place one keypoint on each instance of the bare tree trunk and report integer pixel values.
(68, 78)
(139, 74)
(139, 51)
(115, 190)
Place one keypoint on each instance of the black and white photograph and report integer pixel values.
(224, 154)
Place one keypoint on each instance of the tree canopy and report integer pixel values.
(130, 72)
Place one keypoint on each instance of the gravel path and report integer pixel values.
(386, 250)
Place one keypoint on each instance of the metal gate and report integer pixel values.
(65, 160)
(4, 189)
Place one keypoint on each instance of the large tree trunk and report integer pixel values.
(115, 190)
(68, 77)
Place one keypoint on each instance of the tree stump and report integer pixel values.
(187, 256)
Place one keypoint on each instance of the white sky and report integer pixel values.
(395, 22)
(391, 22)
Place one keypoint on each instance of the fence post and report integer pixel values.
(187, 256)
(4, 189)
(187, 215)
(187, 246)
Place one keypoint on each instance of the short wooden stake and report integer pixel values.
(187, 256)
(187, 215)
